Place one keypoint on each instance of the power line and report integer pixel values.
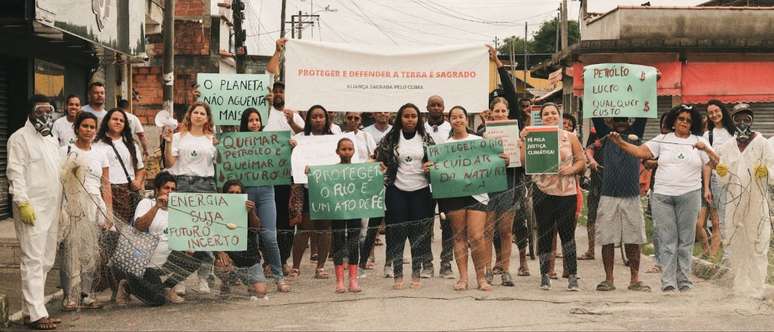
(372, 22)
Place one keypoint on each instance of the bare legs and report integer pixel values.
(468, 226)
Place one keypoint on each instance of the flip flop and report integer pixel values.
(586, 257)
(553, 275)
(42, 324)
(321, 274)
(605, 286)
(523, 272)
(398, 285)
(653, 269)
(415, 285)
(639, 287)
(461, 285)
(483, 285)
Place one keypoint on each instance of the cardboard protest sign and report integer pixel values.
(541, 148)
(619, 90)
(316, 151)
(254, 158)
(207, 222)
(230, 94)
(506, 132)
(346, 191)
(467, 168)
(373, 78)
(537, 120)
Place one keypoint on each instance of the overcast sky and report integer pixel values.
(414, 22)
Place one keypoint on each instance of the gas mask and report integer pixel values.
(42, 120)
(743, 124)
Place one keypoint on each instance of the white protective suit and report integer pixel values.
(33, 175)
(747, 212)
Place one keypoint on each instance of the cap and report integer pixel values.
(742, 108)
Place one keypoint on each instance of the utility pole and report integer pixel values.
(565, 36)
(513, 54)
(526, 64)
(298, 21)
(282, 19)
(169, 55)
(240, 35)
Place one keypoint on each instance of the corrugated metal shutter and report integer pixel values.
(664, 105)
(5, 203)
(764, 118)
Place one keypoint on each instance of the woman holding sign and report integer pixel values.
(409, 202)
(555, 199)
(683, 156)
(190, 156)
(318, 122)
(263, 197)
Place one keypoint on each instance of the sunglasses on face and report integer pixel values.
(684, 119)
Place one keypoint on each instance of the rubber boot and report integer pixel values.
(340, 279)
(353, 286)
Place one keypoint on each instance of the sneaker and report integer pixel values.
(180, 289)
(427, 272)
(388, 271)
(361, 273)
(122, 294)
(545, 282)
(573, 283)
(446, 271)
(204, 286)
(172, 297)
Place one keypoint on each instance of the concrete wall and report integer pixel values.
(698, 23)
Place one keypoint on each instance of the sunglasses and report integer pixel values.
(684, 119)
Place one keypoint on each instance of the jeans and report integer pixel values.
(556, 213)
(150, 289)
(266, 208)
(247, 275)
(346, 236)
(285, 232)
(675, 224)
(410, 217)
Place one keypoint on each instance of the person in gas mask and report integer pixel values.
(744, 173)
(33, 175)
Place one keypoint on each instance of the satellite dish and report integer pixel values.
(163, 119)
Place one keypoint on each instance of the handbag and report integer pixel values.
(134, 250)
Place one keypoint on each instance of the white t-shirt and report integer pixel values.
(441, 135)
(94, 160)
(157, 227)
(99, 113)
(481, 198)
(195, 155)
(410, 176)
(335, 129)
(679, 164)
(117, 175)
(278, 122)
(719, 136)
(134, 124)
(365, 145)
(376, 133)
(64, 131)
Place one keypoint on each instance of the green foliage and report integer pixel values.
(543, 40)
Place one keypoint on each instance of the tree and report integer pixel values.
(518, 42)
(544, 40)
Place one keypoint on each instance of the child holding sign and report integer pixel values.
(346, 232)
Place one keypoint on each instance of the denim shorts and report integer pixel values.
(249, 275)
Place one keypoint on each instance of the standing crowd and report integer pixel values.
(78, 182)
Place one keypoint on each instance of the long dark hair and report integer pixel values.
(246, 118)
(696, 126)
(394, 135)
(126, 133)
(308, 123)
(464, 112)
(728, 123)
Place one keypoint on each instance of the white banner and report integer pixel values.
(316, 151)
(366, 78)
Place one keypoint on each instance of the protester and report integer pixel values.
(467, 215)
(744, 172)
(438, 128)
(720, 130)
(682, 158)
(88, 204)
(346, 233)
(317, 123)
(245, 265)
(555, 200)
(366, 145)
(63, 127)
(652, 165)
(595, 161)
(378, 130)
(96, 104)
(265, 205)
(380, 127)
(190, 156)
(408, 198)
(34, 184)
(136, 127)
(619, 216)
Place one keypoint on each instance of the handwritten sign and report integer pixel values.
(541, 148)
(537, 120)
(467, 168)
(254, 158)
(230, 94)
(507, 132)
(619, 90)
(316, 151)
(346, 191)
(207, 222)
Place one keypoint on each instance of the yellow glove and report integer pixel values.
(761, 171)
(27, 214)
(722, 169)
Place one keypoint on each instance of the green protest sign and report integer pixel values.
(207, 222)
(346, 191)
(619, 90)
(254, 158)
(230, 94)
(541, 148)
(467, 168)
